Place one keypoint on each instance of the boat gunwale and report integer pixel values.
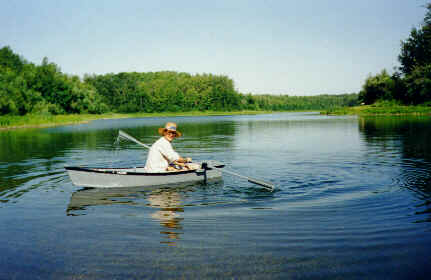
(115, 172)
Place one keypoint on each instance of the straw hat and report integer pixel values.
(170, 126)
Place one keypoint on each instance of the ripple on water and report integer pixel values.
(350, 203)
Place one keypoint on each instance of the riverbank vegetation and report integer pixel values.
(382, 107)
(42, 94)
(408, 89)
(410, 85)
(33, 94)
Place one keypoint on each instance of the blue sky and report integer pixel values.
(295, 47)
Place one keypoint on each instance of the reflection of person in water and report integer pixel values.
(169, 204)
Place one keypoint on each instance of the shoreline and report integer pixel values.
(42, 121)
(381, 109)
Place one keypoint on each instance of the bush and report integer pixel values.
(419, 85)
(378, 87)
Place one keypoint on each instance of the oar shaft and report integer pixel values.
(251, 180)
(131, 138)
(235, 174)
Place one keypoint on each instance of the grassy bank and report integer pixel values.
(28, 121)
(381, 108)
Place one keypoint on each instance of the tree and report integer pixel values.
(413, 84)
(419, 85)
(416, 50)
(377, 87)
(9, 59)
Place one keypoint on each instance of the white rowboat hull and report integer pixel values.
(136, 177)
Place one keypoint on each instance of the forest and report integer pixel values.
(27, 88)
(410, 84)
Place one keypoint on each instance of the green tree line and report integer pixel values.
(411, 83)
(165, 91)
(297, 103)
(173, 92)
(26, 88)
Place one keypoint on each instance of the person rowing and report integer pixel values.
(162, 157)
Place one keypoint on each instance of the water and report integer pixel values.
(353, 201)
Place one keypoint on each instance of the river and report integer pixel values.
(353, 201)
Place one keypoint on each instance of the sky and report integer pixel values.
(294, 47)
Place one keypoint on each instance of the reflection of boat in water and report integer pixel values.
(154, 196)
(167, 201)
(87, 197)
(134, 177)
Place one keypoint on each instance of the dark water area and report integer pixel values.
(353, 201)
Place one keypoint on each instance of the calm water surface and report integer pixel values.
(353, 201)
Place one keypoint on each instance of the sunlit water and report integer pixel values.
(353, 201)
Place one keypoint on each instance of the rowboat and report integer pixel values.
(95, 177)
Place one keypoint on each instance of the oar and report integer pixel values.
(264, 184)
(124, 135)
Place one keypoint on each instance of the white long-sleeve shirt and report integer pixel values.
(160, 155)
